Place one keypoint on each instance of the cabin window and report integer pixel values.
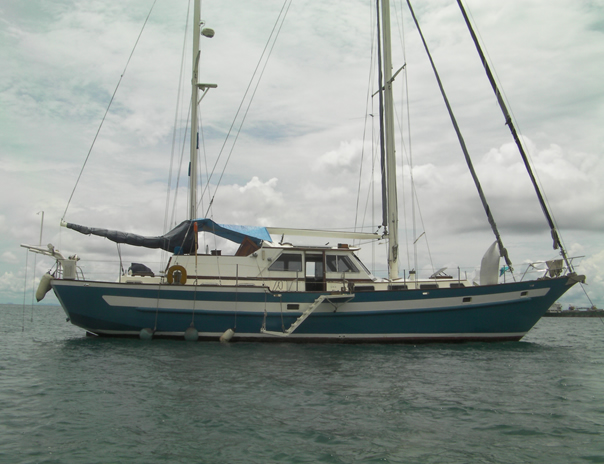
(456, 285)
(467, 299)
(428, 286)
(340, 263)
(398, 287)
(364, 288)
(361, 264)
(287, 262)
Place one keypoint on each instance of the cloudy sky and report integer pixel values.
(304, 154)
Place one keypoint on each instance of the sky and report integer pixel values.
(304, 156)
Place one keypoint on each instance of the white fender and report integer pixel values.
(44, 286)
(227, 335)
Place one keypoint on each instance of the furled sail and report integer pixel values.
(181, 239)
(489, 266)
(502, 250)
(510, 124)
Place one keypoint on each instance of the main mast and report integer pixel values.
(194, 102)
(391, 206)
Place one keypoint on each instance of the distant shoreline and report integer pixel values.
(588, 313)
(29, 305)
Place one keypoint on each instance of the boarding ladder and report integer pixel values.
(333, 299)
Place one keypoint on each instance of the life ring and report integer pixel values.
(178, 270)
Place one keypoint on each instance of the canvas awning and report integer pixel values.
(181, 239)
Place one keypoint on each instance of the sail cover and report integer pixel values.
(181, 239)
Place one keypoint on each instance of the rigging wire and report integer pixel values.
(375, 138)
(176, 113)
(25, 288)
(107, 111)
(406, 153)
(367, 115)
(169, 220)
(414, 200)
(406, 150)
(509, 122)
(371, 189)
(516, 123)
(180, 164)
(205, 160)
(280, 18)
(502, 251)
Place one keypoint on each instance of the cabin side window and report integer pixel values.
(340, 263)
(287, 262)
(367, 271)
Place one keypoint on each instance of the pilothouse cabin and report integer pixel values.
(284, 267)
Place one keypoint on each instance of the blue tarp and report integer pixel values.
(234, 233)
(181, 239)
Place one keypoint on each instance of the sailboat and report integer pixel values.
(270, 290)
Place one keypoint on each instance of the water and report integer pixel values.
(66, 398)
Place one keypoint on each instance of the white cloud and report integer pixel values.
(346, 157)
(255, 203)
(9, 257)
(592, 266)
(297, 158)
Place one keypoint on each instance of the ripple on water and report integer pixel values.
(71, 399)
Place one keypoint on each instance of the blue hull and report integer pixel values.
(494, 313)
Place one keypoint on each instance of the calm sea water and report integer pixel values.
(66, 398)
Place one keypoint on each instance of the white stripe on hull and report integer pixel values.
(245, 306)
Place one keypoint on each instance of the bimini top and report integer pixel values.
(181, 239)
